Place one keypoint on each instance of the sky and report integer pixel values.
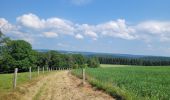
(139, 27)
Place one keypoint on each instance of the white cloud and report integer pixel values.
(5, 26)
(117, 29)
(154, 29)
(55, 24)
(30, 25)
(79, 36)
(50, 34)
(60, 25)
(32, 21)
(91, 34)
(88, 30)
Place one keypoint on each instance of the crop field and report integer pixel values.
(132, 82)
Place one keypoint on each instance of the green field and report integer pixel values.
(136, 82)
(7, 79)
(109, 65)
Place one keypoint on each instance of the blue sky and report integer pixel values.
(114, 26)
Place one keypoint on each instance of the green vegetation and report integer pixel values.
(136, 83)
(7, 79)
(109, 65)
(142, 61)
(6, 82)
(19, 54)
(93, 62)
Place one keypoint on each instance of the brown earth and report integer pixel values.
(59, 85)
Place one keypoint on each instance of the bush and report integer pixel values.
(93, 62)
(75, 66)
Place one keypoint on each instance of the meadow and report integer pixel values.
(131, 82)
(6, 80)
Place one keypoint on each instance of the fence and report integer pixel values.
(38, 73)
(17, 77)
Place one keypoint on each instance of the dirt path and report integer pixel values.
(58, 86)
(63, 86)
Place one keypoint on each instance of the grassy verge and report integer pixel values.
(37, 96)
(6, 80)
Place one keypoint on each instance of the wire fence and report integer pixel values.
(18, 76)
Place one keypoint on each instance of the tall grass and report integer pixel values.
(144, 83)
(7, 79)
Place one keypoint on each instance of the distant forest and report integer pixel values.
(143, 61)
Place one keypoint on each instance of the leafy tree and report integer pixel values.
(93, 62)
(3, 39)
(18, 54)
(75, 66)
(79, 59)
(3, 55)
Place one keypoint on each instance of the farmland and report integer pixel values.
(133, 82)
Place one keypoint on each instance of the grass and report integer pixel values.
(109, 65)
(7, 79)
(131, 83)
(37, 96)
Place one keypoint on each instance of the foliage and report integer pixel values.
(53, 59)
(93, 62)
(79, 59)
(144, 61)
(3, 39)
(131, 83)
(75, 66)
(18, 54)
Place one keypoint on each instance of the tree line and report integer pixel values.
(143, 61)
(19, 54)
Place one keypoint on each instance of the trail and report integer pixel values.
(62, 85)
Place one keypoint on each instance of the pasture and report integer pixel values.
(132, 82)
(6, 80)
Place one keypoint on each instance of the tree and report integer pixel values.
(3, 39)
(79, 59)
(18, 53)
(3, 42)
(93, 62)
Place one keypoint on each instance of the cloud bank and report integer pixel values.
(30, 26)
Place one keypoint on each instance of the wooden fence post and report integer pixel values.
(43, 70)
(30, 73)
(84, 76)
(15, 78)
(38, 70)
